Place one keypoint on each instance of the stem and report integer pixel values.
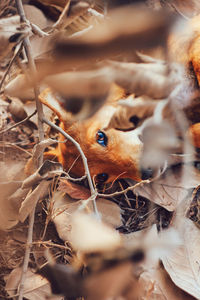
(84, 159)
(19, 123)
(33, 71)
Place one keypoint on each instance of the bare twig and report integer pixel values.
(130, 188)
(12, 145)
(38, 31)
(74, 179)
(17, 52)
(19, 123)
(32, 68)
(84, 159)
(59, 23)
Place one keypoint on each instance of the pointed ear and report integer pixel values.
(48, 98)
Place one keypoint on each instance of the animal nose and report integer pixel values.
(146, 173)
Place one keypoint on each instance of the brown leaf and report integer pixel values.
(183, 263)
(155, 284)
(64, 208)
(82, 102)
(35, 286)
(131, 112)
(48, 170)
(116, 34)
(8, 212)
(11, 33)
(75, 191)
(31, 199)
(111, 283)
(16, 108)
(19, 87)
(170, 189)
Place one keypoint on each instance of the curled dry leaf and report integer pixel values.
(35, 16)
(159, 141)
(131, 112)
(155, 284)
(112, 283)
(183, 263)
(48, 170)
(64, 208)
(63, 279)
(90, 235)
(32, 164)
(117, 33)
(8, 212)
(155, 79)
(19, 87)
(76, 10)
(75, 191)
(31, 199)
(11, 33)
(84, 101)
(16, 108)
(35, 286)
(170, 189)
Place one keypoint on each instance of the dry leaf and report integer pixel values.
(8, 212)
(116, 34)
(64, 208)
(32, 164)
(111, 283)
(11, 33)
(84, 101)
(155, 284)
(63, 279)
(35, 286)
(35, 16)
(31, 200)
(48, 170)
(75, 191)
(131, 112)
(183, 263)
(170, 189)
(19, 87)
(89, 234)
(151, 79)
(16, 108)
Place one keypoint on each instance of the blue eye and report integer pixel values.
(101, 138)
(102, 177)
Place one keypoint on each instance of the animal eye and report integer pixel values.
(135, 120)
(101, 138)
(102, 177)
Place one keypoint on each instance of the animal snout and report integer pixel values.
(146, 173)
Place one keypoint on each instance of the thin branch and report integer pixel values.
(130, 188)
(17, 52)
(84, 159)
(33, 71)
(19, 123)
(36, 30)
(27, 253)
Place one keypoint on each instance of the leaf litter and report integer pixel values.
(144, 242)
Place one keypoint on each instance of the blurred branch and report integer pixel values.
(33, 71)
(19, 123)
(130, 188)
(17, 52)
(84, 159)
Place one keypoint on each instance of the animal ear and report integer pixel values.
(48, 98)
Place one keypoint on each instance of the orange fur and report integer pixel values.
(111, 159)
(121, 157)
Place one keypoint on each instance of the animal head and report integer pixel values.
(111, 153)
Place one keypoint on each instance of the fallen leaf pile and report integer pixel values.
(64, 236)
